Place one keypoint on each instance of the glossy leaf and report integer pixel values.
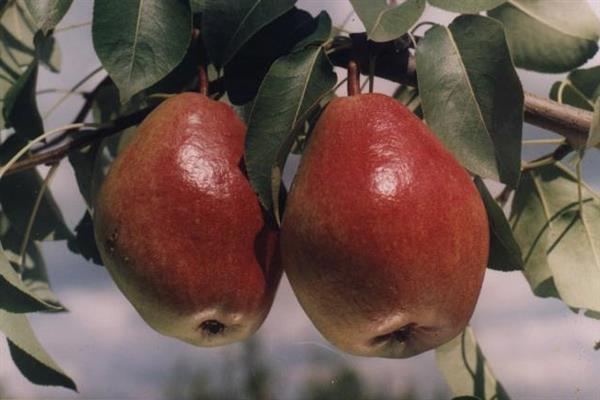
(385, 22)
(554, 36)
(20, 107)
(560, 248)
(47, 13)
(245, 72)
(474, 100)
(227, 26)
(140, 41)
(16, 296)
(466, 6)
(84, 242)
(466, 370)
(292, 86)
(29, 355)
(505, 254)
(580, 89)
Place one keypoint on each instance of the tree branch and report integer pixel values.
(396, 63)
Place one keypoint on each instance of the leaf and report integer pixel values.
(385, 22)
(292, 86)
(554, 36)
(18, 194)
(475, 103)
(29, 355)
(466, 6)
(47, 13)
(580, 89)
(20, 107)
(47, 51)
(505, 254)
(409, 96)
(16, 296)
(245, 72)
(84, 242)
(197, 5)
(227, 26)
(320, 33)
(140, 41)
(466, 370)
(560, 248)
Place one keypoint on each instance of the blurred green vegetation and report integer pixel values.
(250, 375)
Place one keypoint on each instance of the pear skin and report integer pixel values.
(180, 229)
(384, 237)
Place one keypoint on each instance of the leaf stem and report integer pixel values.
(353, 79)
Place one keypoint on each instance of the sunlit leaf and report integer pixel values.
(466, 6)
(475, 102)
(227, 26)
(549, 36)
(292, 86)
(47, 13)
(29, 355)
(140, 41)
(505, 254)
(560, 246)
(466, 370)
(384, 21)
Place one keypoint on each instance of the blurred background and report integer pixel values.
(537, 348)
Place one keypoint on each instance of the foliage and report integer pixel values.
(275, 62)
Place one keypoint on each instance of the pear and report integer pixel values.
(180, 229)
(384, 237)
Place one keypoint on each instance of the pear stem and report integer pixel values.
(353, 79)
(203, 80)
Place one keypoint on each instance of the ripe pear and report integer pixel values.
(384, 237)
(180, 229)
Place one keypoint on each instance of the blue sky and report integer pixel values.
(537, 348)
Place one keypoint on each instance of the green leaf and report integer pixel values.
(466, 370)
(246, 70)
(320, 33)
(20, 107)
(47, 13)
(18, 194)
(475, 103)
(580, 89)
(385, 22)
(16, 296)
(29, 355)
(293, 85)
(560, 248)
(227, 26)
(47, 51)
(197, 5)
(466, 6)
(409, 96)
(84, 242)
(549, 36)
(505, 254)
(140, 41)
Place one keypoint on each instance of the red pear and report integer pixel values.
(180, 229)
(384, 237)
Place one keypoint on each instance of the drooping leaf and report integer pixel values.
(29, 355)
(47, 51)
(466, 6)
(466, 370)
(549, 36)
(319, 34)
(227, 26)
(475, 103)
(84, 242)
(15, 296)
(20, 107)
(580, 89)
(384, 21)
(18, 195)
(292, 86)
(140, 41)
(246, 70)
(505, 254)
(560, 246)
(47, 13)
